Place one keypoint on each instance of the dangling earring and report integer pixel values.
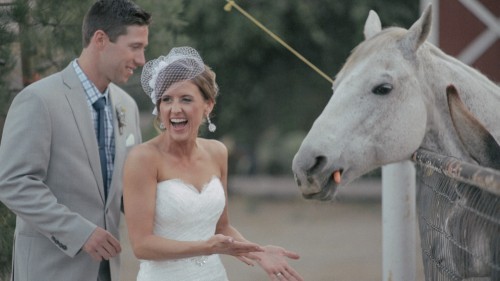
(162, 126)
(211, 126)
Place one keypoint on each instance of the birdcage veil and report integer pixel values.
(181, 63)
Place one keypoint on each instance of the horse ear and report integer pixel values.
(372, 25)
(476, 139)
(419, 31)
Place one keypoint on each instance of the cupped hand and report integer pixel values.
(102, 245)
(274, 262)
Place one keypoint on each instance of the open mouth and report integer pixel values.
(328, 188)
(178, 123)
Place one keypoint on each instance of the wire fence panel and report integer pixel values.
(458, 208)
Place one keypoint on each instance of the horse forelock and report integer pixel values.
(383, 40)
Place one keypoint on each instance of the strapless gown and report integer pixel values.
(183, 213)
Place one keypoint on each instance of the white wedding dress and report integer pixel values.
(186, 214)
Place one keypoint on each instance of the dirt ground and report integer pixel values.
(339, 241)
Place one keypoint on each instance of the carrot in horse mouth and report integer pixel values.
(336, 176)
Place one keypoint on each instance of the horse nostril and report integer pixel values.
(318, 165)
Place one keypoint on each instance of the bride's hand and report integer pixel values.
(274, 262)
(221, 244)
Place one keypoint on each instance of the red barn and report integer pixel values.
(470, 31)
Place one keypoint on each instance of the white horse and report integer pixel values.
(389, 100)
(392, 98)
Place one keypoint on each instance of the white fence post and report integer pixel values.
(398, 222)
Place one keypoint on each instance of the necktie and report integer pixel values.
(101, 125)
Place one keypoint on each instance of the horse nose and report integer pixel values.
(305, 168)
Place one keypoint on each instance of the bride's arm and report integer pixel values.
(272, 259)
(139, 195)
(220, 156)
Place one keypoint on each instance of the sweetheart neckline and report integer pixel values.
(190, 185)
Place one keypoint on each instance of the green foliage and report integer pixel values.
(167, 29)
(7, 224)
(165, 32)
(7, 218)
(49, 33)
(6, 62)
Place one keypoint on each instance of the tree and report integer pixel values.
(7, 219)
(6, 61)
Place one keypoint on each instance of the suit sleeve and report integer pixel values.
(25, 154)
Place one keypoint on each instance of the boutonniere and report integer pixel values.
(120, 115)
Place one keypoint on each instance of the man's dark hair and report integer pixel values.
(113, 17)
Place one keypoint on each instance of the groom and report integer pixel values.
(63, 146)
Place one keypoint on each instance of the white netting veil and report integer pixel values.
(181, 63)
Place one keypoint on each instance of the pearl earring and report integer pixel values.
(162, 126)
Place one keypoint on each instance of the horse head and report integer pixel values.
(376, 115)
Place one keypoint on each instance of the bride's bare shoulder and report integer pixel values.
(215, 148)
(146, 151)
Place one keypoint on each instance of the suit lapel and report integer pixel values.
(119, 138)
(81, 114)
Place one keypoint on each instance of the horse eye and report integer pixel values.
(382, 89)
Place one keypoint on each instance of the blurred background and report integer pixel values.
(268, 101)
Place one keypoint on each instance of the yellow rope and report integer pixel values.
(231, 4)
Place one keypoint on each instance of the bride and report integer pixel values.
(175, 185)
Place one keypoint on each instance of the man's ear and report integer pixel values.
(100, 38)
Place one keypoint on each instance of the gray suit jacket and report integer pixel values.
(50, 176)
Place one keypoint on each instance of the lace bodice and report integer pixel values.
(183, 213)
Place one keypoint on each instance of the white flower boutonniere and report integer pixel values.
(120, 115)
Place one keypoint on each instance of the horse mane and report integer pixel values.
(457, 65)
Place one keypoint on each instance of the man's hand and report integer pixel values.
(101, 245)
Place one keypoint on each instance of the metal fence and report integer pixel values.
(458, 209)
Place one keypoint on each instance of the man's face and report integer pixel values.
(120, 58)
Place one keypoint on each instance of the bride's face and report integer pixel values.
(182, 109)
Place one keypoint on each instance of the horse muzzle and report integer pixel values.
(314, 189)
(315, 175)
